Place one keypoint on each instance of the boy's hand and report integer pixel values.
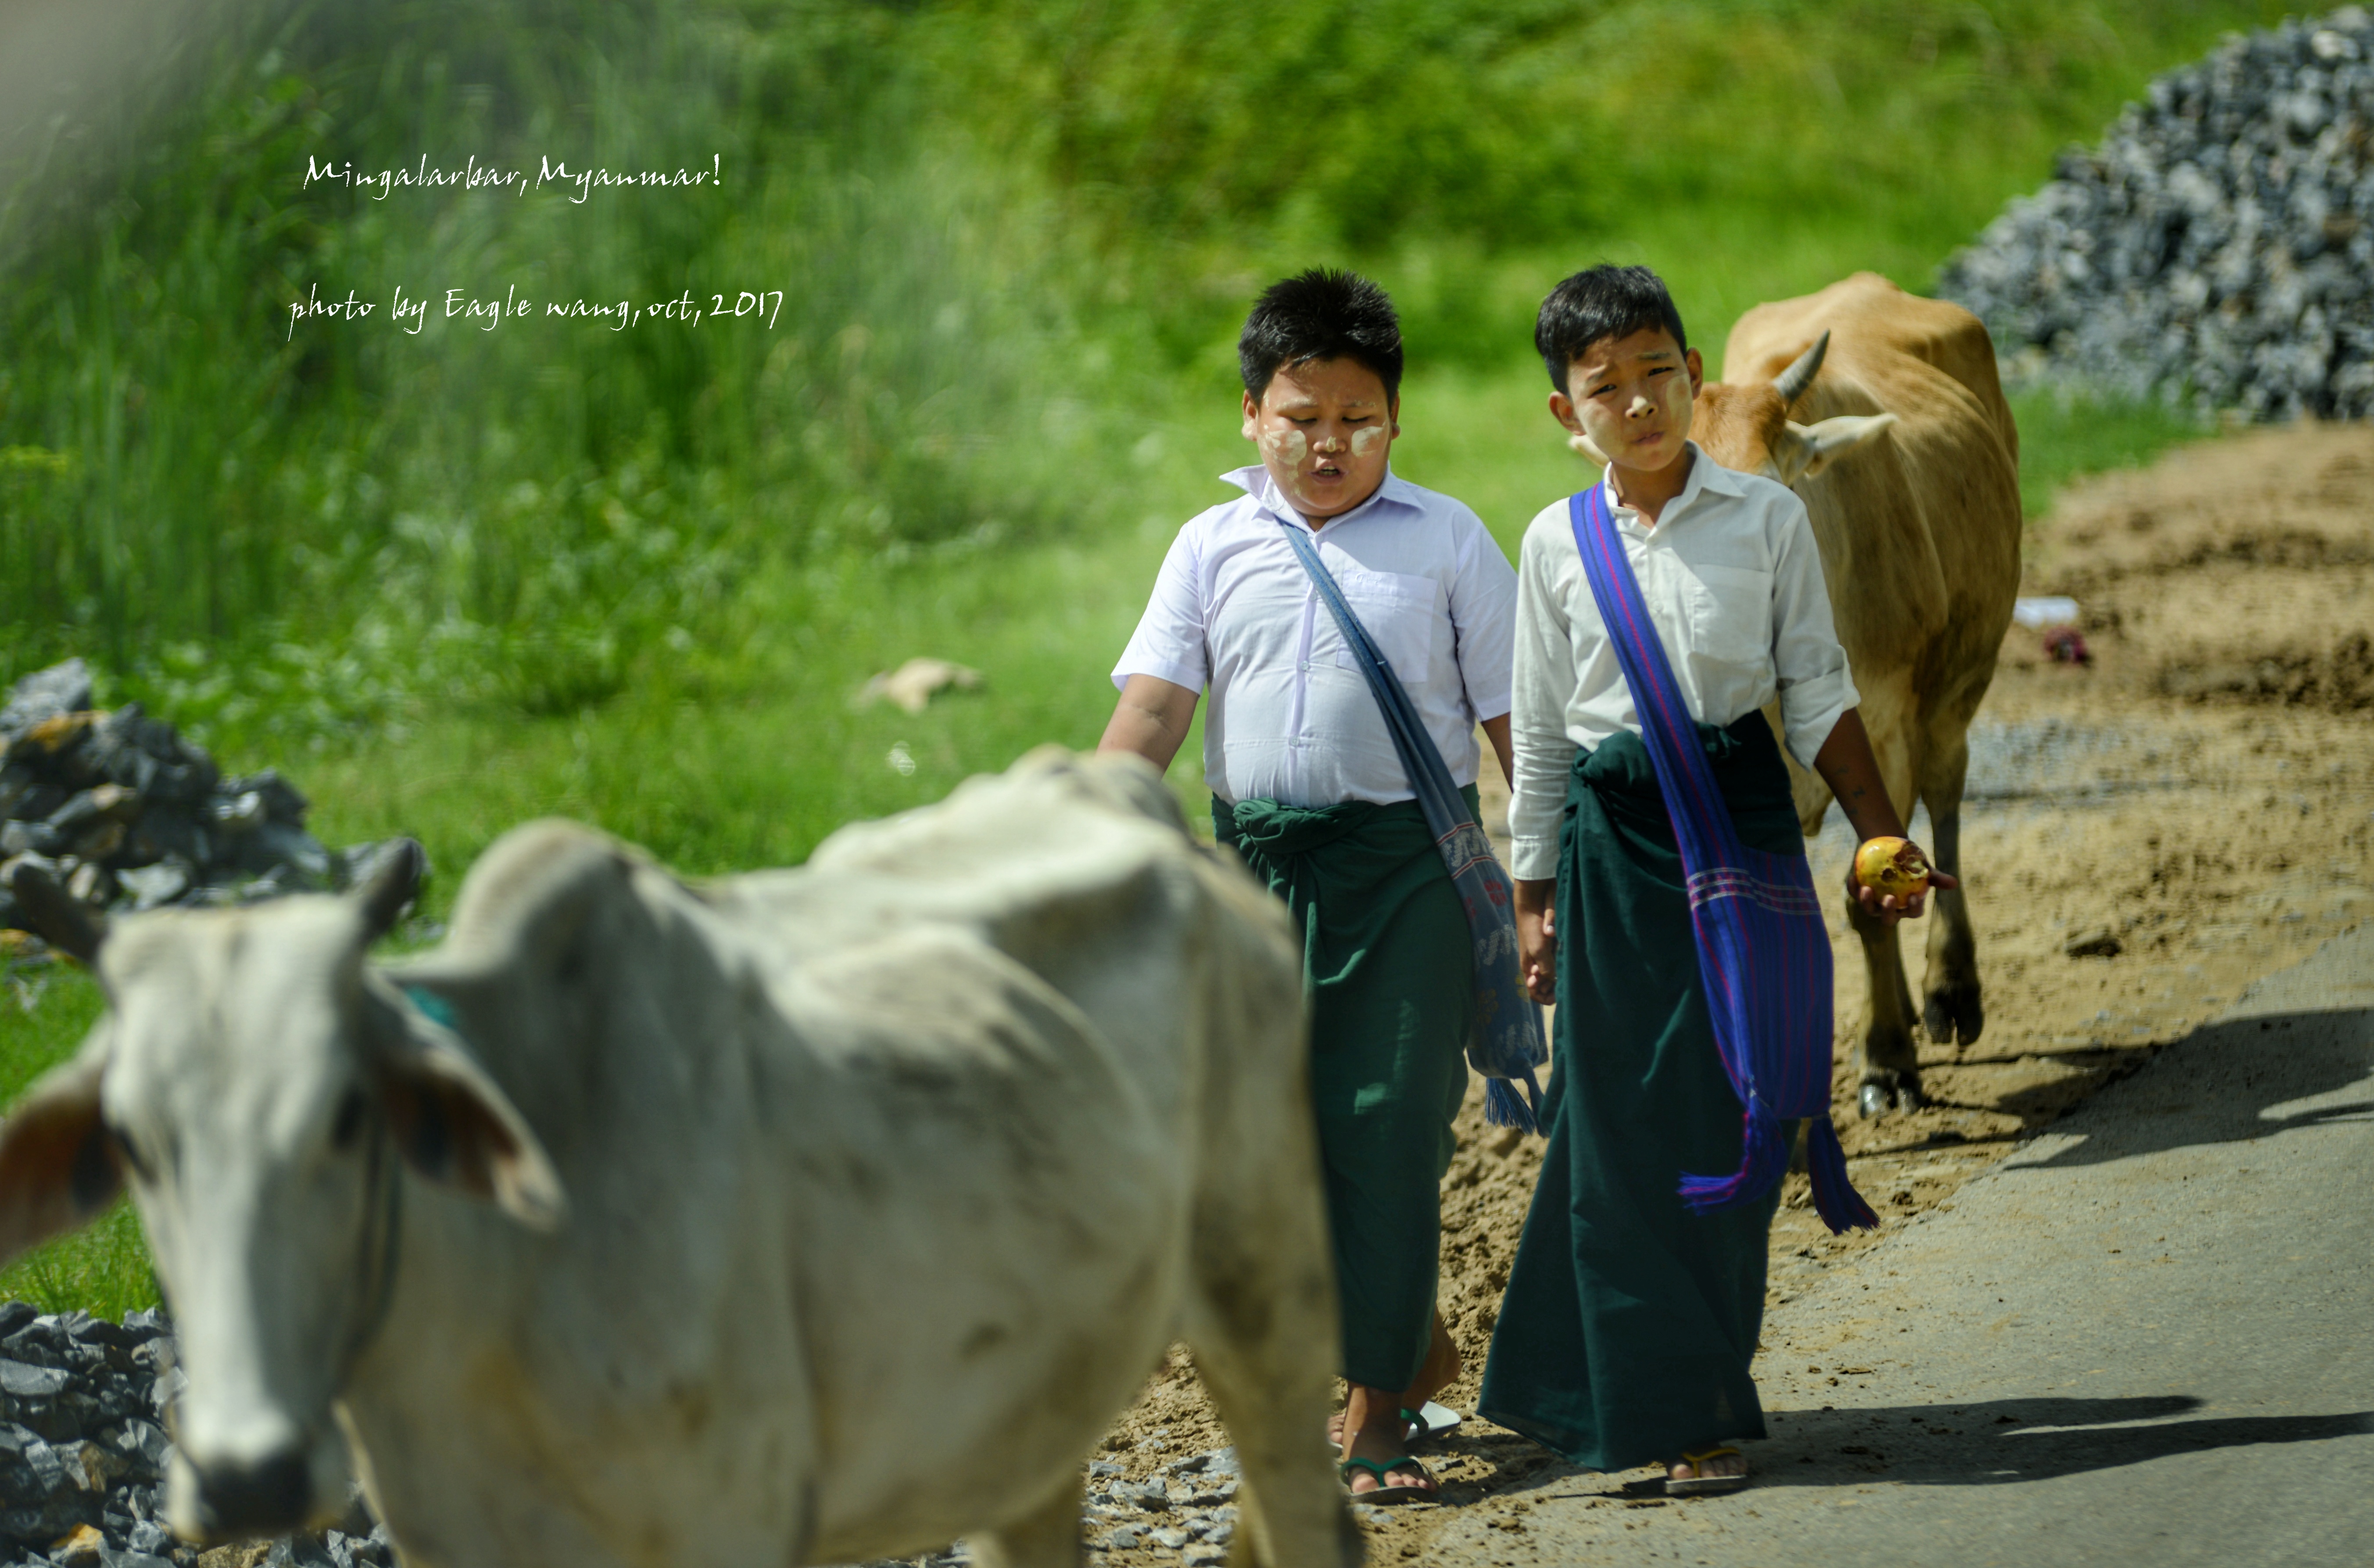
(1889, 908)
(1537, 939)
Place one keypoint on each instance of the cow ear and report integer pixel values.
(451, 1124)
(1811, 448)
(1582, 446)
(57, 1166)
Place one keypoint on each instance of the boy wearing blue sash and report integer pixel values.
(1633, 1307)
(1308, 786)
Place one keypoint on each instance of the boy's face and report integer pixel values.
(1324, 428)
(1631, 398)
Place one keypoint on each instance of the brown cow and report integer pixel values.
(1907, 461)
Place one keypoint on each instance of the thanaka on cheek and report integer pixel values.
(1289, 445)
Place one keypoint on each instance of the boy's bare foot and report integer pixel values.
(1374, 1419)
(1717, 1470)
(1438, 1371)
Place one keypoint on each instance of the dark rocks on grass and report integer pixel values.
(125, 812)
(84, 1451)
(2217, 245)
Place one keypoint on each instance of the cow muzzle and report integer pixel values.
(286, 1489)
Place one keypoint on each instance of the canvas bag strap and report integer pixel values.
(1430, 776)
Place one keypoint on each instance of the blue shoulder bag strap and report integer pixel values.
(1764, 953)
(1507, 1043)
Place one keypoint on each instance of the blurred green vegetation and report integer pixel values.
(1007, 237)
(1757, 148)
(454, 580)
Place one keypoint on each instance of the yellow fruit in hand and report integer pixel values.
(1891, 867)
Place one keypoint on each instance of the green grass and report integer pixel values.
(45, 1009)
(2064, 435)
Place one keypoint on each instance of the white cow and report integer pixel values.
(802, 1216)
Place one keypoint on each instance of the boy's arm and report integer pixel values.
(1482, 625)
(1151, 719)
(1847, 765)
(1537, 938)
(1542, 681)
(1818, 699)
(1497, 731)
(1162, 671)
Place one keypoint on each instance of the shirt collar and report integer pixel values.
(1706, 473)
(1255, 482)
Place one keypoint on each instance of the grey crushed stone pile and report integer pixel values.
(1186, 1509)
(83, 1449)
(2218, 245)
(127, 813)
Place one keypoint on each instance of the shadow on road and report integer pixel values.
(1986, 1443)
(1995, 1442)
(2227, 1082)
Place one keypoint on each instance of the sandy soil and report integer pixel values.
(2194, 804)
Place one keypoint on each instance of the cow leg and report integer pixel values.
(1291, 1509)
(1891, 1065)
(1048, 1536)
(1262, 1328)
(1263, 1332)
(1952, 1009)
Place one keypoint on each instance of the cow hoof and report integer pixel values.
(1954, 1017)
(1908, 1098)
(1875, 1100)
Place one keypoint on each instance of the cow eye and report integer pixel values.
(349, 1122)
(126, 1151)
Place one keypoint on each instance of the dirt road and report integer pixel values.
(2147, 834)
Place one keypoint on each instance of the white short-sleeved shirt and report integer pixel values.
(1291, 717)
(1732, 580)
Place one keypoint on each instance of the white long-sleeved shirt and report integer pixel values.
(1291, 717)
(1732, 580)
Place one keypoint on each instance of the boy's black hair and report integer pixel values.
(1320, 314)
(1597, 303)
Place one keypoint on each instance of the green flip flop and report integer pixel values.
(1431, 1492)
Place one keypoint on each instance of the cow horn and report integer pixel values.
(392, 882)
(63, 920)
(1792, 383)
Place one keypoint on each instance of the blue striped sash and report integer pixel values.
(1764, 954)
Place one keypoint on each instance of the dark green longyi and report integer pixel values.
(1387, 963)
(1628, 1323)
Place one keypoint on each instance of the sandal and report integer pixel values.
(1697, 1483)
(1431, 1492)
(1429, 1424)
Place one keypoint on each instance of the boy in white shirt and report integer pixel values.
(1628, 1323)
(1307, 786)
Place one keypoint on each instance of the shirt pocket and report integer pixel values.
(1404, 617)
(1731, 614)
